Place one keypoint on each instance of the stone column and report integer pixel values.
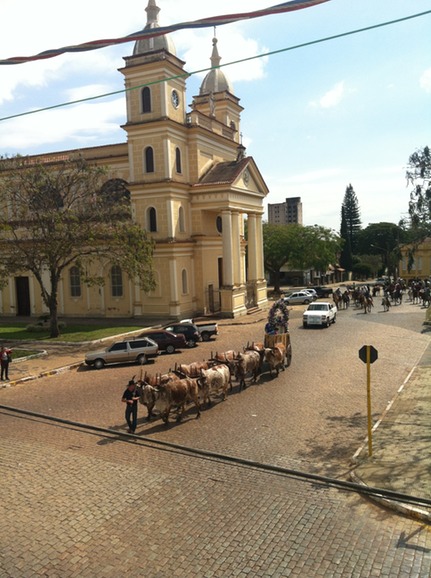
(227, 248)
(260, 271)
(252, 248)
(236, 242)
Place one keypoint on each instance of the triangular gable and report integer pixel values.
(242, 174)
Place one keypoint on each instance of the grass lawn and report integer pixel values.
(72, 333)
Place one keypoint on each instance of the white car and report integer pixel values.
(322, 314)
(312, 292)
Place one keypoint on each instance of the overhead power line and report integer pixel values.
(187, 74)
(160, 31)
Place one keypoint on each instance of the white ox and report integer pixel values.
(213, 381)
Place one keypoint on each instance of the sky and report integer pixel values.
(317, 116)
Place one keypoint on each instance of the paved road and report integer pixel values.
(88, 504)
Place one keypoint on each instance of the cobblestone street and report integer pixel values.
(84, 503)
(90, 506)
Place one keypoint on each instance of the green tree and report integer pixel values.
(352, 216)
(314, 247)
(302, 247)
(383, 239)
(346, 257)
(419, 176)
(53, 216)
(276, 249)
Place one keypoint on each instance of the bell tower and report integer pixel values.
(216, 97)
(155, 82)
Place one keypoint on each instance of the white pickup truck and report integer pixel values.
(320, 313)
(206, 330)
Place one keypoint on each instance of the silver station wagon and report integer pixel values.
(130, 350)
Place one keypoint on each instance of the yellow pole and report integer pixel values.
(370, 440)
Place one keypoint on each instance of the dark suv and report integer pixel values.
(189, 330)
(322, 291)
(166, 340)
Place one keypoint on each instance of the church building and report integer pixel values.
(191, 186)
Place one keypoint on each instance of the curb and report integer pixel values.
(399, 507)
(42, 374)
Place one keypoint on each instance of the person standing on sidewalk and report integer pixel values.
(130, 398)
(5, 359)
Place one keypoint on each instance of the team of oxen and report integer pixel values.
(199, 383)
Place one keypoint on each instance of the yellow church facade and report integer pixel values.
(191, 187)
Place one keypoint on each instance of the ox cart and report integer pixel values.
(284, 338)
(276, 329)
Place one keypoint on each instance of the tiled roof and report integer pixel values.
(223, 173)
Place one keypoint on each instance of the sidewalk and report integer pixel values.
(401, 445)
(401, 439)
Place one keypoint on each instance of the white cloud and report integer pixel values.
(331, 98)
(425, 80)
(79, 125)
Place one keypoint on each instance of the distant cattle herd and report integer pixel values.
(199, 383)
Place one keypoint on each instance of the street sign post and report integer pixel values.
(368, 354)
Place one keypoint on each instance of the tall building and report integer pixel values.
(191, 186)
(285, 213)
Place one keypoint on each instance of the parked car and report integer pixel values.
(382, 281)
(166, 340)
(136, 350)
(206, 330)
(322, 291)
(319, 314)
(311, 291)
(298, 298)
(189, 330)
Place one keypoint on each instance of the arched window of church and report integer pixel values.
(184, 282)
(146, 99)
(181, 220)
(152, 220)
(149, 160)
(178, 160)
(75, 282)
(219, 224)
(116, 281)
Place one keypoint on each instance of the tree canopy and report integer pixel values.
(419, 176)
(55, 215)
(302, 247)
(382, 239)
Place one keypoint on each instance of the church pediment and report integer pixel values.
(241, 175)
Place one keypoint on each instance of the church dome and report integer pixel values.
(163, 42)
(215, 80)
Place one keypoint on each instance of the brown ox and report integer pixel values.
(260, 348)
(214, 380)
(246, 363)
(174, 393)
(149, 385)
(192, 369)
(275, 357)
